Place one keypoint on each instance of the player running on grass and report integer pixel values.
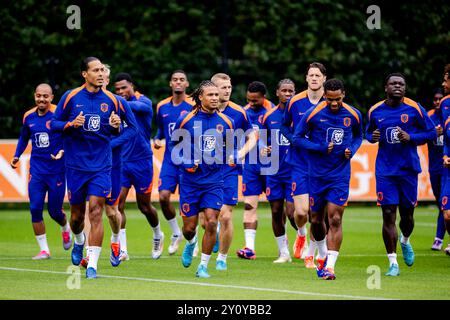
(203, 132)
(399, 124)
(46, 168)
(332, 133)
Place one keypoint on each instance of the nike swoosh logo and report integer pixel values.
(323, 120)
(380, 120)
(78, 105)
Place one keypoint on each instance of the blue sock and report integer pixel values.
(440, 228)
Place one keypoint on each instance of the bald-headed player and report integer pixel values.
(47, 168)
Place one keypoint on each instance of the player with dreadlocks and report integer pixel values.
(198, 148)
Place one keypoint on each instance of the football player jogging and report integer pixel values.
(332, 133)
(203, 132)
(231, 172)
(399, 125)
(167, 114)
(46, 168)
(89, 116)
(298, 157)
(253, 181)
(435, 166)
(137, 164)
(112, 201)
(445, 107)
(279, 184)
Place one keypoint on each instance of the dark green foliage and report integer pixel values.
(251, 40)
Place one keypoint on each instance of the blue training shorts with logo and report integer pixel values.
(81, 184)
(113, 199)
(397, 190)
(278, 188)
(253, 182)
(323, 190)
(230, 188)
(169, 176)
(300, 180)
(139, 174)
(195, 198)
(38, 186)
(445, 192)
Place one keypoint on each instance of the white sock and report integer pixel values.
(205, 259)
(250, 235)
(222, 257)
(94, 254)
(66, 227)
(42, 242)
(301, 231)
(331, 258)
(157, 234)
(311, 248)
(79, 238)
(174, 226)
(392, 258)
(123, 240)
(282, 247)
(114, 237)
(322, 247)
(404, 240)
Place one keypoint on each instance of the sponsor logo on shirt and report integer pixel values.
(42, 140)
(335, 135)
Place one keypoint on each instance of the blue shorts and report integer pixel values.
(169, 177)
(38, 186)
(113, 199)
(253, 182)
(397, 190)
(195, 198)
(300, 181)
(278, 188)
(328, 190)
(139, 174)
(230, 188)
(445, 194)
(82, 184)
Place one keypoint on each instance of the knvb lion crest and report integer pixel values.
(404, 117)
(104, 107)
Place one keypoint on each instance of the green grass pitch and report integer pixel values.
(360, 268)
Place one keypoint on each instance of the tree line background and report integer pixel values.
(248, 39)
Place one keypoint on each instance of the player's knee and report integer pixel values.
(335, 221)
(189, 231)
(57, 215)
(315, 218)
(447, 215)
(36, 215)
(164, 198)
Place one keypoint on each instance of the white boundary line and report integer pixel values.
(203, 284)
